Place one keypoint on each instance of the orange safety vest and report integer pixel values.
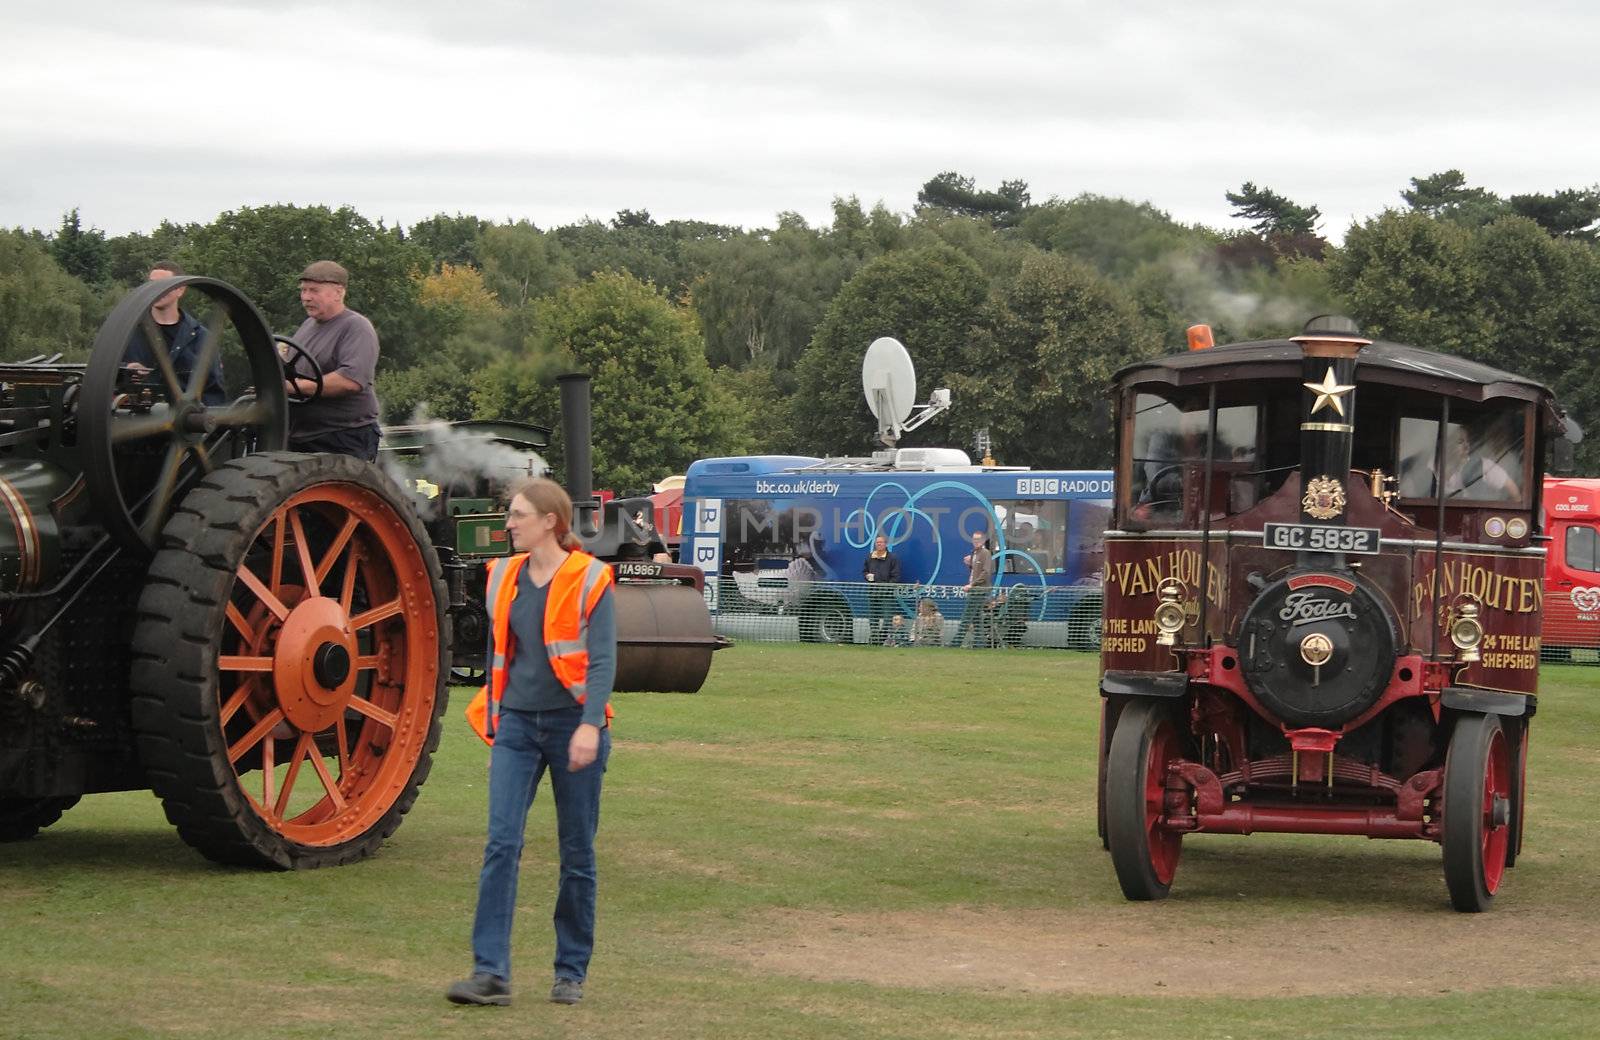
(574, 590)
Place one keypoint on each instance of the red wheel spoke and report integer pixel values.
(302, 548)
(301, 748)
(264, 594)
(378, 613)
(235, 702)
(373, 712)
(339, 542)
(275, 576)
(348, 591)
(364, 664)
(328, 782)
(253, 737)
(268, 769)
(341, 733)
(242, 663)
(243, 626)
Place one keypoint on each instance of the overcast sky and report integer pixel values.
(735, 111)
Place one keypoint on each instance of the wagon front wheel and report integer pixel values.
(290, 661)
(22, 818)
(1477, 811)
(1143, 851)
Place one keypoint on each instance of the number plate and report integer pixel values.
(638, 569)
(1316, 538)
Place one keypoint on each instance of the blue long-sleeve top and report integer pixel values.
(531, 684)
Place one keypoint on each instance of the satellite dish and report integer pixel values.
(890, 381)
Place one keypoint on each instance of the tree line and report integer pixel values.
(708, 339)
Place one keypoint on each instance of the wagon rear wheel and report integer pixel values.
(22, 818)
(290, 660)
(1144, 853)
(1477, 811)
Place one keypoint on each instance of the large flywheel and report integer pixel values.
(148, 432)
(290, 661)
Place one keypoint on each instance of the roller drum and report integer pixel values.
(664, 638)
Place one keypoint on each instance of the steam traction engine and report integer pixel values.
(257, 635)
(1323, 598)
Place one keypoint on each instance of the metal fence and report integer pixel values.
(775, 609)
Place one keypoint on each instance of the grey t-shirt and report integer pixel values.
(346, 344)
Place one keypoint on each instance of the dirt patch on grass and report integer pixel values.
(1165, 950)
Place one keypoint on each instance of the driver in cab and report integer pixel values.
(343, 418)
(1470, 472)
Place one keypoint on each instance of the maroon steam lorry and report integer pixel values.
(1323, 601)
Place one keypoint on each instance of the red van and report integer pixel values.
(1572, 566)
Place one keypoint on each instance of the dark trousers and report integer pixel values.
(975, 618)
(360, 441)
(880, 608)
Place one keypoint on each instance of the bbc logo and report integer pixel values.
(1038, 486)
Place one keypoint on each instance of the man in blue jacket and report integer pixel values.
(181, 335)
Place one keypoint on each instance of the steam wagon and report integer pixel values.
(1323, 599)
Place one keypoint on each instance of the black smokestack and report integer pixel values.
(576, 443)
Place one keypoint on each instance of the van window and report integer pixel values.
(1582, 543)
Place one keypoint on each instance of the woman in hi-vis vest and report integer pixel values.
(552, 659)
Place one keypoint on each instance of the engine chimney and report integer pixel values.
(576, 443)
(1329, 346)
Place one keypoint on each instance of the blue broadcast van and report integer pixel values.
(789, 535)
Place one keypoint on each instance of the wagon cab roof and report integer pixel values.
(1426, 370)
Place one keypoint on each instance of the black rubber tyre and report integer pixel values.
(195, 686)
(22, 818)
(835, 623)
(1144, 855)
(1084, 626)
(468, 676)
(1477, 825)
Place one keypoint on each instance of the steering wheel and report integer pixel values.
(298, 364)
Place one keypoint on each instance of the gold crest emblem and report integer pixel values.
(1324, 498)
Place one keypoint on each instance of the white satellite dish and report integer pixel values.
(890, 381)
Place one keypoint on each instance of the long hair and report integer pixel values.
(546, 496)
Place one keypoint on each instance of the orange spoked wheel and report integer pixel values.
(290, 661)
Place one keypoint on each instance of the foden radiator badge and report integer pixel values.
(1324, 498)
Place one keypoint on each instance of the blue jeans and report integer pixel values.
(526, 744)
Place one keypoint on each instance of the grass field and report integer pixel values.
(826, 842)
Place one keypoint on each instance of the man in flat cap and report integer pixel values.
(344, 420)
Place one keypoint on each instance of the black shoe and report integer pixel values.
(480, 989)
(566, 991)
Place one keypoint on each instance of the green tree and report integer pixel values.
(43, 309)
(131, 255)
(449, 239)
(1039, 370)
(262, 250)
(959, 194)
(1413, 279)
(1116, 236)
(931, 299)
(1447, 196)
(1272, 214)
(522, 263)
(1572, 213)
(81, 253)
(656, 406)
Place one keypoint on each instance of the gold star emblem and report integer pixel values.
(1329, 392)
